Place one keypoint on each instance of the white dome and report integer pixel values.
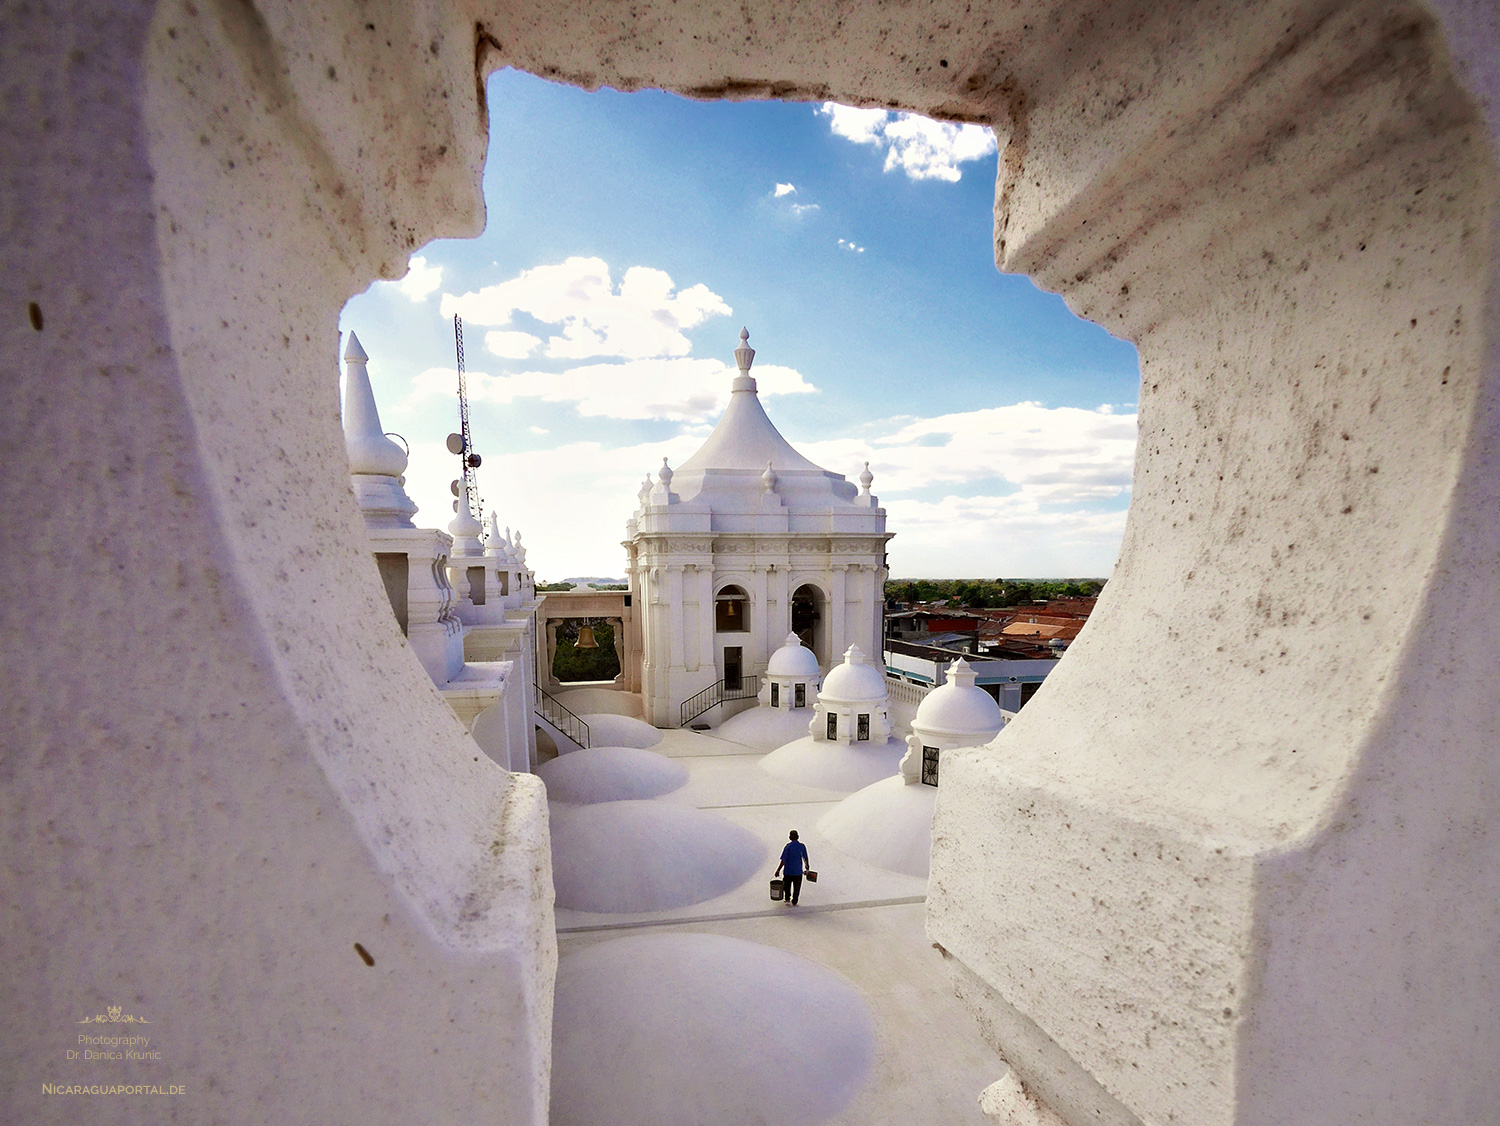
(856, 681)
(793, 659)
(960, 708)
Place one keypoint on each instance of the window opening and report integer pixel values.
(862, 731)
(476, 585)
(799, 696)
(929, 766)
(833, 725)
(733, 664)
(731, 611)
(394, 569)
(775, 695)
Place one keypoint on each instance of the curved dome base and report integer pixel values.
(600, 774)
(765, 728)
(686, 1029)
(835, 766)
(631, 856)
(888, 824)
(609, 730)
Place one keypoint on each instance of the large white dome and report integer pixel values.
(793, 659)
(960, 709)
(856, 681)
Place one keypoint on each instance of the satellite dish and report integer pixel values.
(474, 461)
(455, 443)
(453, 487)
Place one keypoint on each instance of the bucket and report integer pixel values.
(777, 889)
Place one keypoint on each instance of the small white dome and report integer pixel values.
(793, 659)
(960, 708)
(856, 681)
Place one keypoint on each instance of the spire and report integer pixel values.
(492, 544)
(866, 479)
(744, 356)
(664, 474)
(465, 527)
(370, 451)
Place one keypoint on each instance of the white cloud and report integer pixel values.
(511, 345)
(539, 430)
(421, 279)
(801, 209)
(922, 148)
(678, 389)
(783, 189)
(643, 317)
(847, 245)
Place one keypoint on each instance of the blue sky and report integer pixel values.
(629, 236)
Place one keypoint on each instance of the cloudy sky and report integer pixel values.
(630, 236)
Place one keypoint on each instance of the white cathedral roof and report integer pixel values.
(856, 681)
(959, 708)
(793, 659)
(732, 462)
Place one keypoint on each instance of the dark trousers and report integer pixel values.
(791, 887)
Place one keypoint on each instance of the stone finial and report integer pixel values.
(768, 479)
(464, 526)
(645, 491)
(854, 655)
(664, 474)
(370, 451)
(520, 549)
(866, 479)
(744, 356)
(962, 674)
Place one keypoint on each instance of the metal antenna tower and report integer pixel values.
(459, 443)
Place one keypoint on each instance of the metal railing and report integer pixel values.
(716, 694)
(904, 692)
(560, 718)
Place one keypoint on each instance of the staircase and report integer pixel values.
(568, 731)
(715, 694)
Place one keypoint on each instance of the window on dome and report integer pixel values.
(731, 611)
(799, 696)
(833, 725)
(862, 731)
(929, 766)
(775, 695)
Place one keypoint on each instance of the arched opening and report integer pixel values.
(809, 621)
(731, 610)
(1293, 216)
(585, 651)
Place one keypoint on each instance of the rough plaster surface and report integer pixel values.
(766, 728)
(1252, 879)
(689, 1029)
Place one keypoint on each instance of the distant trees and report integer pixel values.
(981, 594)
(574, 664)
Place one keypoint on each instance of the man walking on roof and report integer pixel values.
(794, 860)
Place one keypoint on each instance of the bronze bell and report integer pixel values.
(586, 638)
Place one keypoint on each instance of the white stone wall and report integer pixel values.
(1267, 895)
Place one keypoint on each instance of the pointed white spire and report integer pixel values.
(492, 542)
(464, 526)
(370, 451)
(520, 549)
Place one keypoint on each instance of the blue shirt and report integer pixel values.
(793, 857)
